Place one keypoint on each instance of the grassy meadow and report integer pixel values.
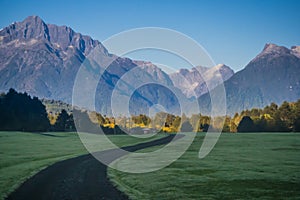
(23, 154)
(241, 166)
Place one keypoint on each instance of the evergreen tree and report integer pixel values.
(246, 125)
(64, 122)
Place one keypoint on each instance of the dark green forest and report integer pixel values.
(20, 112)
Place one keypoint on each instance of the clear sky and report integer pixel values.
(232, 32)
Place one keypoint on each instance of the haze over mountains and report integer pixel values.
(198, 80)
(43, 60)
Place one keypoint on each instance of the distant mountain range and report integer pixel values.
(195, 81)
(43, 60)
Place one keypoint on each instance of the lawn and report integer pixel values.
(241, 166)
(23, 154)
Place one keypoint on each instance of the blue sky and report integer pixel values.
(233, 32)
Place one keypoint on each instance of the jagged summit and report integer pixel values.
(271, 51)
(56, 37)
(273, 48)
(33, 19)
(31, 27)
(270, 46)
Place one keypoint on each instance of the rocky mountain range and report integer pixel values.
(43, 60)
(272, 76)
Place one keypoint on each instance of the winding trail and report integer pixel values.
(82, 177)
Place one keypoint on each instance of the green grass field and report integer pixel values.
(241, 166)
(23, 154)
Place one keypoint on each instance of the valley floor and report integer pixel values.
(241, 166)
(24, 154)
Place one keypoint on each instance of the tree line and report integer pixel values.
(20, 112)
(272, 118)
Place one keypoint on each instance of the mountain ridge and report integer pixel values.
(272, 76)
(43, 59)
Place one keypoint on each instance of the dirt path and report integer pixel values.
(82, 177)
